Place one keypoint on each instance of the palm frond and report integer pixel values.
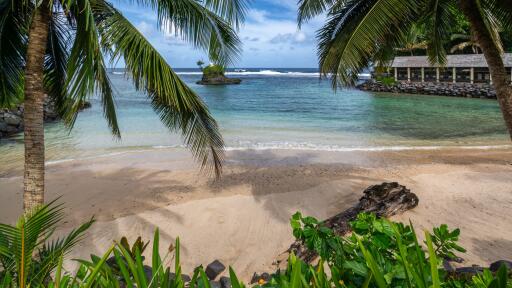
(501, 10)
(19, 241)
(86, 72)
(492, 24)
(55, 64)
(462, 46)
(50, 253)
(233, 11)
(356, 31)
(179, 108)
(311, 8)
(13, 40)
(199, 26)
(440, 18)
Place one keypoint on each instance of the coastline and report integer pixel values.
(243, 218)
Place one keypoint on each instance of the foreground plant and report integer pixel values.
(379, 253)
(27, 256)
(58, 47)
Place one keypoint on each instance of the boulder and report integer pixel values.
(3, 127)
(225, 282)
(495, 266)
(214, 269)
(215, 284)
(13, 120)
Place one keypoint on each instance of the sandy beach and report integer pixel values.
(242, 219)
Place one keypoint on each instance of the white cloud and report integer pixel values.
(145, 28)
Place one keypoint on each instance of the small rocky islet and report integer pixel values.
(215, 75)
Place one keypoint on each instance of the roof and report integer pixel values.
(460, 60)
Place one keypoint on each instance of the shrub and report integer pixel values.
(213, 70)
(386, 80)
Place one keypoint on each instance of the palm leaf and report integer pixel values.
(86, 72)
(13, 39)
(201, 27)
(356, 30)
(440, 18)
(311, 8)
(55, 64)
(233, 11)
(177, 105)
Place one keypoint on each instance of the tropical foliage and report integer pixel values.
(379, 253)
(27, 255)
(213, 70)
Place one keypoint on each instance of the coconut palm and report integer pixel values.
(467, 41)
(357, 29)
(413, 41)
(58, 48)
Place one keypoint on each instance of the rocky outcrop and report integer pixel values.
(214, 75)
(219, 80)
(11, 120)
(430, 88)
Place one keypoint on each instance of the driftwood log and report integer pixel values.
(385, 200)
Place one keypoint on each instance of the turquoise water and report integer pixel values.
(285, 109)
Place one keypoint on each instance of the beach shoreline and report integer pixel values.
(242, 219)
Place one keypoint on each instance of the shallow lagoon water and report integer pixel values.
(281, 109)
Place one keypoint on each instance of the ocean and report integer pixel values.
(280, 109)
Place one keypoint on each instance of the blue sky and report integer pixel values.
(270, 36)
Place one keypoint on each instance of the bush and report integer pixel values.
(213, 70)
(386, 80)
(379, 253)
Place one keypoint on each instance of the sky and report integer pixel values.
(270, 37)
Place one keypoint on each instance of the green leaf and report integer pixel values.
(436, 283)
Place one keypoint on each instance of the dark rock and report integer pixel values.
(3, 127)
(215, 284)
(221, 80)
(255, 278)
(12, 119)
(432, 88)
(225, 282)
(468, 271)
(148, 271)
(265, 276)
(495, 266)
(214, 269)
(111, 262)
(184, 277)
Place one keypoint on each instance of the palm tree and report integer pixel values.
(357, 29)
(467, 41)
(62, 44)
(413, 41)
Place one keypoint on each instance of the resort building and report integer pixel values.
(465, 68)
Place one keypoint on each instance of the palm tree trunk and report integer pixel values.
(500, 79)
(34, 100)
